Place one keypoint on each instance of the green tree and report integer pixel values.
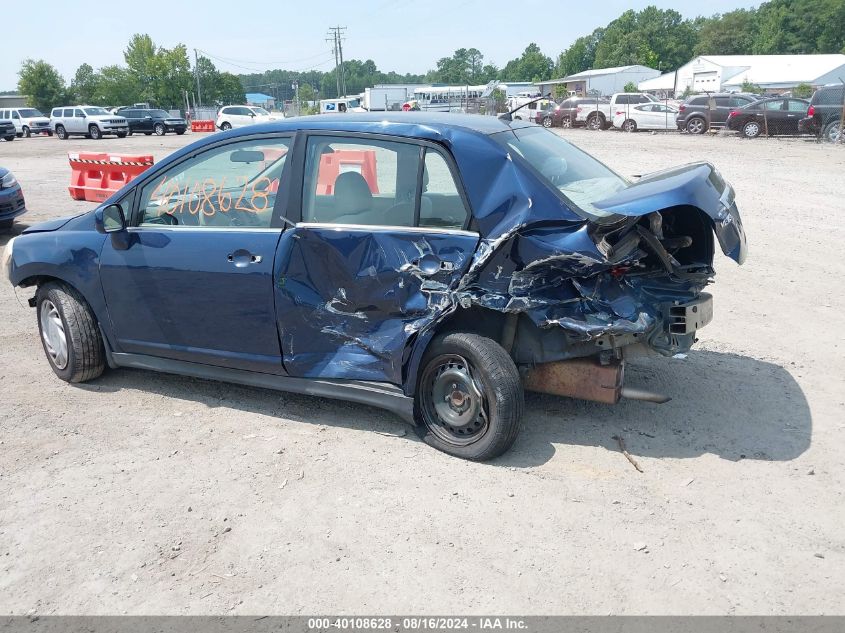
(230, 89)
(532, 65)
(802, 91)
(748, 86)
(729, 34)
(42, 84)
(800, 26)
(84, 85)
(140, 56)
(171, 72)
(580, 56)
(116, 86)
(630, 87)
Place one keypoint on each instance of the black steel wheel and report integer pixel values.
(469, 397)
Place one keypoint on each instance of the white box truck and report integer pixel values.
(386, 98)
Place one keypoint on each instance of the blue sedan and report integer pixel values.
(436, 266)
(12, 203)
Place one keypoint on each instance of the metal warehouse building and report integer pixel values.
(773, 73)
(601, 81)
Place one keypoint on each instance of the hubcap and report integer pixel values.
(752, 129)
(547, 122)
(53, 334)
(567, 122)
(453, 404)
(833, 135)
(696, 126)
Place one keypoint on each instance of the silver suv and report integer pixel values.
(90, 121)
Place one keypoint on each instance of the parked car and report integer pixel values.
(27, 121)
(90, 121)
(773, 116)
(824, 115)
(433, 265)
(646, 116)
(153, 121)
(528, 110)
(599, 115)
(231, 117)
(7, 130)
(565, 114)
(699, 113)
(12, 202)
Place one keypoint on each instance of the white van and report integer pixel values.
(28, 121)
(343, 104)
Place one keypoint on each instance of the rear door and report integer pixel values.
(774, 116)
(192, 277)
(795, 111)
(380, 238)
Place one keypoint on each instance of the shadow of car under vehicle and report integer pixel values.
(729, 405)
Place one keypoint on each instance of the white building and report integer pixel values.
(662, 86)
(600, 81)
(773, 73)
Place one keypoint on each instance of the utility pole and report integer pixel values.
(336, 33)
(197, 74)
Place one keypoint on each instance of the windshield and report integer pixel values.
(261, 111)
(29, 112)
(578, 176)
(353, 103)
(96, 111)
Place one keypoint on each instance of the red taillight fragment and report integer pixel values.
(733, 114)
(811, 111)
(619, 271)
(682, 107)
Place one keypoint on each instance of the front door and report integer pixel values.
(192, 278)
(380, 240)
(76, 123)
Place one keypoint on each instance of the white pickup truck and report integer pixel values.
(599, 115)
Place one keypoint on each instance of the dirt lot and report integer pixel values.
(144, 493)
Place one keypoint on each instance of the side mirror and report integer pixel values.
(110, 219)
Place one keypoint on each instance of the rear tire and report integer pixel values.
(629, 126)
(547, 121)
(469, 398)
(751, 129)
(69, 333)
(225, 126)
(832, 133)
(61, 132)
(696, 125)
(159, 129)
(566, 122)
(94, 132)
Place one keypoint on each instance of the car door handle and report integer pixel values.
(241, 258)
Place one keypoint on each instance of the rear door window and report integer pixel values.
(442, 205)
(797, 106)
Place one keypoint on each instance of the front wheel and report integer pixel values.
(5, 225)
(566, 122)
(595, 122)
(547, 121)
(26, 132)
(629, 126)
(469, 398)
(122, 134)
(69, 333)
(61, 132)
(94, 132)
(180, 132)
(10, 138)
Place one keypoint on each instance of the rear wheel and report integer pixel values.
(595, 122)
(547, 121)
(696, 125)
(61, 132)
(94, 132)
(225, 126)
(832, 132)
(751, 129)
(629, 126)
(69, 333)
(159, 129)
(469, 398)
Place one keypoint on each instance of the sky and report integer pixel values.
(401, 35)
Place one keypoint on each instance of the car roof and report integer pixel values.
(411, 124)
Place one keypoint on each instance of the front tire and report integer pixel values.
(469, 398)
(61, 132)
(26, 132)
(566, 122)
(122, 134)
(94, 132)
(5, 225)
(10, 138)
(69, 333)
(547, 121)
(595, 122)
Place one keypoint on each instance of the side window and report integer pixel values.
(623, 100)
(360, 181)
(234, 185)
(773, 105)
(67, 112)
(78, 113)
(797, 106)
(15, 115)
(441, 205)
(723, 102)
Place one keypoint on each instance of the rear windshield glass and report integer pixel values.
(580, 178)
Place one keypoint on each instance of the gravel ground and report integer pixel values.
(150, 494)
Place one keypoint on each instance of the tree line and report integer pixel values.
(151, 74)
(659, 38)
